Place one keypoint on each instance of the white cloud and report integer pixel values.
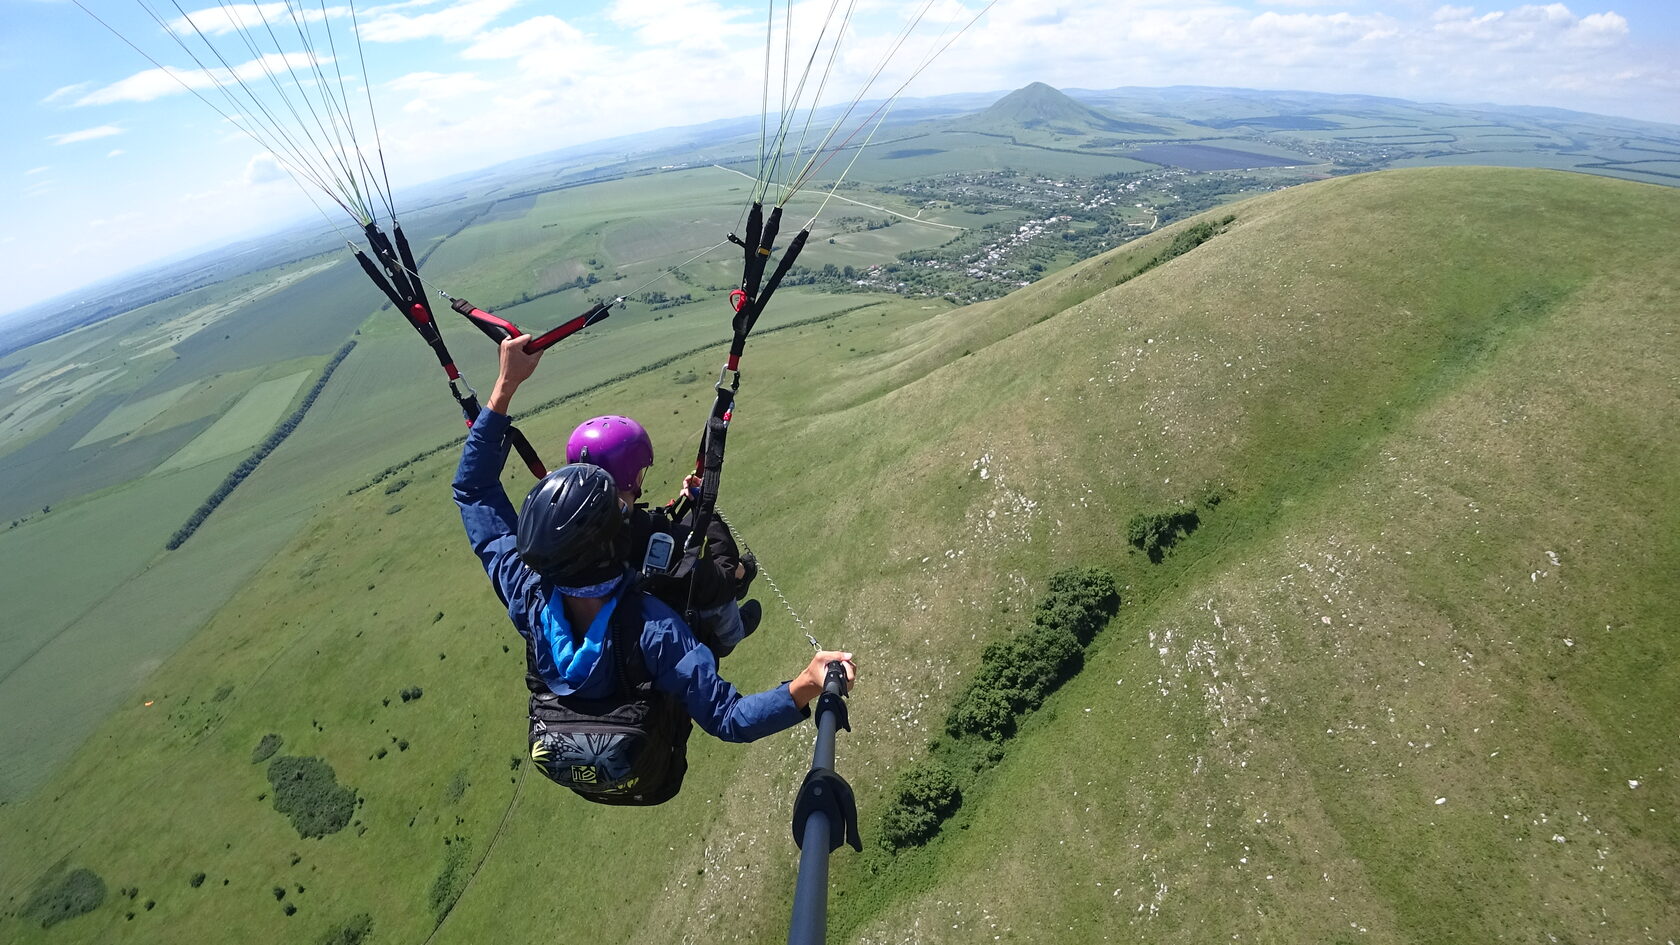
(459, 22)
(116, 152)
(37, 170)
(86, 134)
(64, 92)
(256, 18)
(264, 168)
(429, 89)
(157, 83)
(687, 24)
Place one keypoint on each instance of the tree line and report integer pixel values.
(249, 465)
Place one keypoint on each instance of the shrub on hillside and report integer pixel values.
(1080, 600)
(266, 748)
(1153, 533)
(922, 797)
(353, 931)
(66, 896)
(450, 881)
(1018, 672)
(307, 791)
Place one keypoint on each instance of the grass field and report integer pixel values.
(1422, 638)
(132, 415)
(244, 425)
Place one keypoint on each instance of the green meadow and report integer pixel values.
(1410, 680)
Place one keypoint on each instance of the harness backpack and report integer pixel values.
(630, 748)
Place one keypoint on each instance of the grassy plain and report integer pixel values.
(1448, 449)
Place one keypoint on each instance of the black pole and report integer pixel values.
(824, 816)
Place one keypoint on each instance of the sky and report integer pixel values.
(109, 163)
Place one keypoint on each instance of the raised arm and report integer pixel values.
(486, 512)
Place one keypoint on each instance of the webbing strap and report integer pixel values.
(397, 277)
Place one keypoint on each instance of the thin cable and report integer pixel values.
(798, 96)
(897, 92)
(822, 84)
(892, 51)
(742, 541)
(378, 144)
(298, 173)
(857, 154)
(707, 251)
(297, 154)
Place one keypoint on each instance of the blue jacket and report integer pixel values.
(677, 663)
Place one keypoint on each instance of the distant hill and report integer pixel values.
(1039, 107)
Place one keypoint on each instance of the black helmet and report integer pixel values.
(568, 526)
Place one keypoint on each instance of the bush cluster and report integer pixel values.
(922, 797)
(1017, 672)
(1015, 676)
(259, 454)
(411, 693)
(307, 791)
(1153, 533)
(266, 748)
(74, 893)
(449, 883)
(353, 931)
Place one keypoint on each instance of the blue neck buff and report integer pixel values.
(589, 590)
(573, 660)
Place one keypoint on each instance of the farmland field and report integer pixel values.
(1197, 157)
(131, 416)
(244, 425)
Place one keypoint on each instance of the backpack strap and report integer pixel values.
(625, 626)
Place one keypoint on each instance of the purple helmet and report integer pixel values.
(617, 444)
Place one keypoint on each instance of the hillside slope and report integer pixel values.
(1398, 686)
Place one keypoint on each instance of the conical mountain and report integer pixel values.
(1039, 107)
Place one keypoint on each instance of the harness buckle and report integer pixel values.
(457, 384)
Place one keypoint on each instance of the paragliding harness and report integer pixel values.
(629, 749)
(398, 277)
(748, 302)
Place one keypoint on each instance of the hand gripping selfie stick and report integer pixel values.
(824, 816)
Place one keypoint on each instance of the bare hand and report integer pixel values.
(809, 683)
(515, 367)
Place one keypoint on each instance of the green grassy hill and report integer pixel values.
(1412, 680)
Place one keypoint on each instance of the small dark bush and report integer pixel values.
(353, 931)
(197, 880)
(266, 748)
(1154, 533)
(279, 893)
(411, 693)
(66, 896)
(290, 909)
(307, 791)
(451, 881)
(151, 904)
(922, 797)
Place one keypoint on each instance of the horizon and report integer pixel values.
(537, 84)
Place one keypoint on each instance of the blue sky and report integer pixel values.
(106, 167)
